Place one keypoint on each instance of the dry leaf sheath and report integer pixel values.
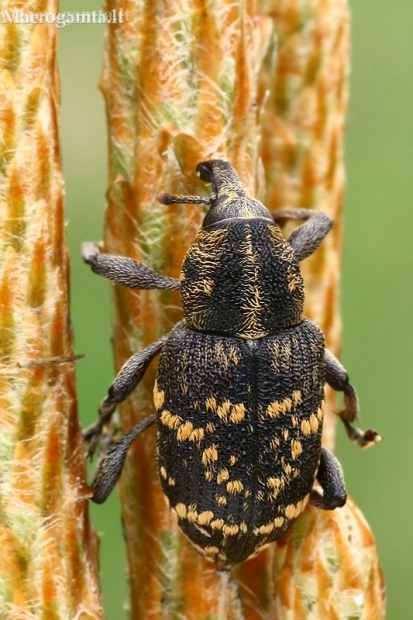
(48, 559)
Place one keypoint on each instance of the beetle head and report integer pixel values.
(230, 199)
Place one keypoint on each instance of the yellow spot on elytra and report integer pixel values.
(314, 423)
(209, 455)
(210, 428)
(158, 397)
(222, 558)
(181, 510)
(243, 527)
(274, 443)
(163, 473)
(192, 514)
(233, 459)
(294, 420)
(279, 521)
(226, 356)
(285, 434)
(274, 483)
(223, 475)
(211, 404)
(278, 407)
(264, 529)
(221, 500)
(237, 413)
(293, 510)
(197, 434)
(235, 486)
(230, 530)
(224, 409)
(310, 426)
(171, 481)
(281, 407)
(184, 431)
(211, 550)
(217, 524)
(288, 469)
(209, 475)
(205, 517)
(320, 414)
(170, 420)
(296, 448)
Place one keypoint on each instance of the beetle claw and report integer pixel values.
(364, 439)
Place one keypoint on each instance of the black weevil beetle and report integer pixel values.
(240, 381)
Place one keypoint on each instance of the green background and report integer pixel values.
(376, 287)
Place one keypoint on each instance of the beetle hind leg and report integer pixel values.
(337, 378)
(331, 479)
(110, 467)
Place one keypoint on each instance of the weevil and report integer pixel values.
(240, 382)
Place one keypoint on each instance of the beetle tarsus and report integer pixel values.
(364, 439)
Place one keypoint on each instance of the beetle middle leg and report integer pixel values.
(337, 378)
(331, 479)
(124, 384)
(308, 237)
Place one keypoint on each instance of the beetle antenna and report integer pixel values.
(169, 199)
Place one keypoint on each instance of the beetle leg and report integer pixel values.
(306, 238)
(337, 378)
(110, 466)
(124, 384)
(331, 479)
(125, 271)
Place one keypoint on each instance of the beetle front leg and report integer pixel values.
(125, 271)
(124, 384)
(110, 467)
(331, 479)
(306, 238)
(337, 378)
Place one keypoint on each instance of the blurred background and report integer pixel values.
(377, 290)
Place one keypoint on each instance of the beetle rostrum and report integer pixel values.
(240, 383)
